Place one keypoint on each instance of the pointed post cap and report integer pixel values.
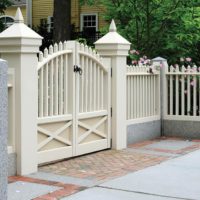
(157, 59)
(19, 17)
(19, 37)
(113, 27)
(112, 43)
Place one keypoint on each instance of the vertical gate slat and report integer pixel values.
(46, 93)
(90, 86)
(82, 84)
(94, 87)
(86, 84)
(102, 89)
(51, 93)
(65, 84)
(61, 86)
(56, 87)
(98, 88)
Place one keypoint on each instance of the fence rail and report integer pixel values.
(143, 92)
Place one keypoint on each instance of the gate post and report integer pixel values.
(19, 45)
(162, 63)
(115, 47)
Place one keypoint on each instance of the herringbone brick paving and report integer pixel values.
(105, 165)
(108, 164)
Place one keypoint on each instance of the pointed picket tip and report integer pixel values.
(18, 16)
(113, 27)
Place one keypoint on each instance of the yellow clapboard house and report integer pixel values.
(34, 11)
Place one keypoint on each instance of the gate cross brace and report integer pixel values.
(54, 135)
(92, 129)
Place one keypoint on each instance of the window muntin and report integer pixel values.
(89, 21)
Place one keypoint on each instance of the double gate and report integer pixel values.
(73, 102)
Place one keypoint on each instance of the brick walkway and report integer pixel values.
(109, 164)
(105, 165)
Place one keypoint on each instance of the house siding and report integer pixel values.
(11, 11)
(43, 9)
(40, 10)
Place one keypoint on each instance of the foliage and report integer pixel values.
(42, 30)
(3, 5)
(167, 28)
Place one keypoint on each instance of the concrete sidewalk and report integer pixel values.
(178, 178)
(157, 169)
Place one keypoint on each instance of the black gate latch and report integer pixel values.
(78, 69)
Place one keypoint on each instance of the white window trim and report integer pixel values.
(86, 14)
(49, 22)
(2, 16)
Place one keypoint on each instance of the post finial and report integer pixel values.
(19, 17)
(113, 27)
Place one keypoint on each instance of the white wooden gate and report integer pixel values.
(73, 102)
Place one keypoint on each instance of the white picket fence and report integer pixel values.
(143, 93)
(183, 90)
(74, 110)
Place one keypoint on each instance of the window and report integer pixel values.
(89, 22)
(50, 24)
(7, 20)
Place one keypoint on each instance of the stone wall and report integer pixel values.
(3, 129)
(143, 131)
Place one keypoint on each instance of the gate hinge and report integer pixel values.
(111, 111)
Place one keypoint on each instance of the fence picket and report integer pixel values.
(182, 91)
(194, 91)
(188, 92)
(177, 91)
(171, 91)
